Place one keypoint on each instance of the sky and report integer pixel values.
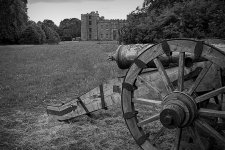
(57, 10)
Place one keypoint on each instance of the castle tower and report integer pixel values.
(89, 28)
(94, 27)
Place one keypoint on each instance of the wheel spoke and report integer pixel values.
(196, 137)
(181, 72)
(146, 101)
(211, 113)
(200, 77)
(164, 76)
(150, 86)
(210, 94)
(211, 131)
(178, 139)
(149, 120)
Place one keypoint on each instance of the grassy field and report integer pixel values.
(33, 76)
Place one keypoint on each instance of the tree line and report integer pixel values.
(16, 28)
(156, 20)
(165, 19)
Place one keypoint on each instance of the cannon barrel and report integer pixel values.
(126, 54)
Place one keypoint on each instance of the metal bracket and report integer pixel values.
(130, 115)
(102, 97)
(128, 86)
(166, 48)
(62, 112)
(192, 75)
(198, 50)
(83, 105)
(140, 64)
(141, 140)
(116, 89)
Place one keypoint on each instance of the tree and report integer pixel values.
(38, 27)
(52, 37)
(51, 24)
(33, 34)
(13, 18)
(30, 36)
(70, 28)
(164, 19)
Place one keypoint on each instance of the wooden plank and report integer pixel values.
(88, 102)
(109, 101)
(96, 105)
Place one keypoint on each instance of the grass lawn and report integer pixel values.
(32, 76)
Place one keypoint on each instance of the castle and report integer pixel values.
(98, 28)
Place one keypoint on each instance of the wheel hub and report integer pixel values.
(179, 110)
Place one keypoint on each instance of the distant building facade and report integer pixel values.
(94, 27)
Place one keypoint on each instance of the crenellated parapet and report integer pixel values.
(93, 13)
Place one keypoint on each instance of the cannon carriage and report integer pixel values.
(172, 95)
(174, 88)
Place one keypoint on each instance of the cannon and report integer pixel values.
(174, 91)
(172, 95)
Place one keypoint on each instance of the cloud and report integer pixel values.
(64, 1)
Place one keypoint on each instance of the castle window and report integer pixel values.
(107, 36)
(90, 29)
(89, 17)
(90, 36)
(90, 22)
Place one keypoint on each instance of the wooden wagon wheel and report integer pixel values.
(180, 104)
